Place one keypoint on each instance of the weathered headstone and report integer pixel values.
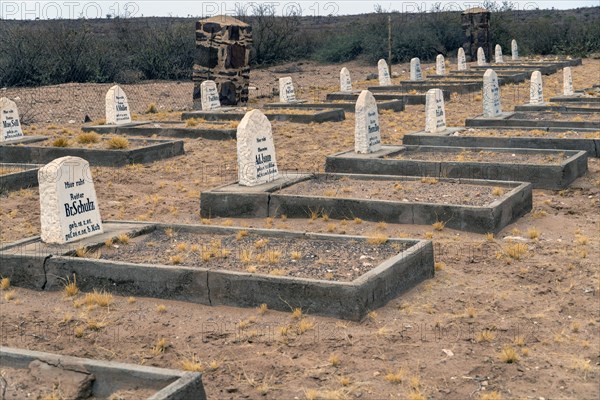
(117, 107)
(492, 106)
(209, 96)
(255, 150)
(514, 49)
(286, 90)
(9, 118)
(345, 81)
(462, 60)
(536, 89)
(499, 59)
(415, 70)
(435, 113)
(481, 61)
(440, 65)
(68, 205)
(568, 82)
(367, 136)
(384, 73)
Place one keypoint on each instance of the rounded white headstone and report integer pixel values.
(415, 70)
(435, 113)
(440, 65)
(345, 81)
(69, 208)
(384, 73)
(462, 60)
(499, 58)
(286, 90)
(568, 82)
(257, 163)
(367, 136)
(536, 89)
(481, 61)
(10, 124)
(117, 107)
(492, 106)
(209, 96)
(514, 48)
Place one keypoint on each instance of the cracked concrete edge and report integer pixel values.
(112, 376)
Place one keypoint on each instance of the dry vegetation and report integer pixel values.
(521, 316)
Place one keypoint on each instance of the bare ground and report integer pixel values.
(443, 340)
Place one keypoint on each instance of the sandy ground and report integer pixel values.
(442, 340)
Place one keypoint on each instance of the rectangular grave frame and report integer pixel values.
(319, 115)
(394, 105)
(147, 129)
(24, 179)
(112, 376)
(505, 120)
(407, 98)
(232, 200)
(159, 149)
(477, 76)
(553, 177)
(425, 85)
(32, 264)
(558, 107)
(452, 138)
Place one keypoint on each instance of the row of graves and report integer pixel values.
(476, 179)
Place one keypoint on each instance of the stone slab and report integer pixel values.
(29, 153)
(490, 218)
(346, 300)
(111, 376)
(541, 176)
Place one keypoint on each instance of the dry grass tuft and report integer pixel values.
(497, 191)
(438, 225)
(71, 288)
(192, 364)
(533, 233)
(378, 239)
(61, 142)
(4, 283)
(516, 251)
(117, 142)
(395, 377)
(509, 355)
(87, 138)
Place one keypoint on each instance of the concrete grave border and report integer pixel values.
(505, 120)
(407, 98)
(425, 85)
(149, 129)
(394, 105)
(231, 200)
(31, 154)
(541, 176)
(24, 179)
(319, 115)
(564, 108)
(30, 263)
(451, 138)
(112, 376)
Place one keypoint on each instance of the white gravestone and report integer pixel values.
(367, 136)
(9, 118)
(286, 90)
(68, 204)
(435, 113)
(440, 65)
(568, 82)
(415, 70)
(498, 57)
(345, 81)
(384, 73)
(536, 90)
(514, 49)
(481, 61)
(462, 60)
(117, 107)
(255, 150)
(209, 96)
(492, 106)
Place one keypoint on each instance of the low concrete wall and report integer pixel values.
(319, 115)
(111, 377)
(407, 98)
(564, 108)
(489, 218)
(165, 131)
(346, 300)
(157, 150)
(24, 179)
(542, 176)
(512, 120)
(591, 146)
(394, 105)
